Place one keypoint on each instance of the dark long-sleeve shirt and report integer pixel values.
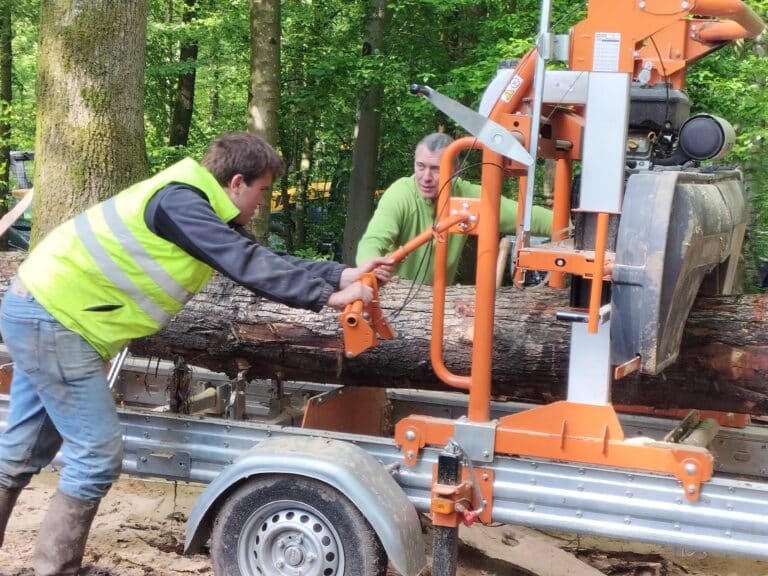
(181, 214)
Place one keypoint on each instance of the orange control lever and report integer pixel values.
(362, 325)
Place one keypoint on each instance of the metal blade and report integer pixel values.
(490, 133)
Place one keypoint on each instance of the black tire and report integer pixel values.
(275, 524)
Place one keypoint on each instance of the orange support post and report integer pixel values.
(485, 289)
(596, 289)
(441, 265)
(561, 211)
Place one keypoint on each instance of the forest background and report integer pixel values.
(108, 92)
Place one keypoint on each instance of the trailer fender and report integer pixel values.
(343, 466)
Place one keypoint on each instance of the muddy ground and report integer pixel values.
(139, 531)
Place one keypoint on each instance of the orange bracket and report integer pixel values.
(589, 264)
(570, 432)
(447, 500)
(363, 325)
(468, 209)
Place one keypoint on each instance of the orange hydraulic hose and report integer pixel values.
(485, 289)
(441, 265)
(741, 14)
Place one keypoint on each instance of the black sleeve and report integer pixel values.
(182, 215)
(331, 273)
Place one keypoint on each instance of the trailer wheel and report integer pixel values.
(285, 525)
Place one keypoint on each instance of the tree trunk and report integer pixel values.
(723, 362)
(90, 119)
(185, 90)
(301, 207)
(6, 94)
(264, 89)
(362, 181)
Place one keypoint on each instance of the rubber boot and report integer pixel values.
(8, 498)
(61, 540)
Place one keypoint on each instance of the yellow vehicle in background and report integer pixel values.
(316, 191)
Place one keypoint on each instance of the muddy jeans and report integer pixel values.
(59, 398)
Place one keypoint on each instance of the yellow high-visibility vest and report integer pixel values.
(106, 276)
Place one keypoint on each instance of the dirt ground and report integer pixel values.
(139, 531)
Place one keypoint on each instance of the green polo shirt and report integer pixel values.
(404, 213)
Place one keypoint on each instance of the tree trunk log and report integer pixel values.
(90, 139)
(723, 363)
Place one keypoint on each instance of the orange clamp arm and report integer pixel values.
(363, 325)
(744, 22)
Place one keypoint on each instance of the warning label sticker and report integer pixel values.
(606, 54)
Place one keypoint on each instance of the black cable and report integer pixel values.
(665, 76)
(428, 254)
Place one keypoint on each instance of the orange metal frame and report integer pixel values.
(583, 433)
(363, 325)
(669, 36)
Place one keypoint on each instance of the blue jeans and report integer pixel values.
(59, 399)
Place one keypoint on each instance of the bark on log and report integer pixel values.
(723, 363)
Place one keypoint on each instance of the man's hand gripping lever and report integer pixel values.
(363, 324)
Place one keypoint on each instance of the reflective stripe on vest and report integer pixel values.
(150, 266)
(115, 274)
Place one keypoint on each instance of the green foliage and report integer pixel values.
(24, 45)
(732, 84)
(312, 254)
(222, 33)
(452, 45)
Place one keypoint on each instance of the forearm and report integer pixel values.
(328, 271)
(371, 247)
(184, 218)
(541, 219)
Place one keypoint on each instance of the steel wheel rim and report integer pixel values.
(285, 538)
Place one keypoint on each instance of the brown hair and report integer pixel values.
(241, 153)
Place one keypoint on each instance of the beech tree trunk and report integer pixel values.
(6, 94)
(723, 363)
(90, 95)
(264, 89)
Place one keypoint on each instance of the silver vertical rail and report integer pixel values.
(543, 53)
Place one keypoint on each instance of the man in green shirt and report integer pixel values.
(407, 208)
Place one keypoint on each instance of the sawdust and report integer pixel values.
(140, 530)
